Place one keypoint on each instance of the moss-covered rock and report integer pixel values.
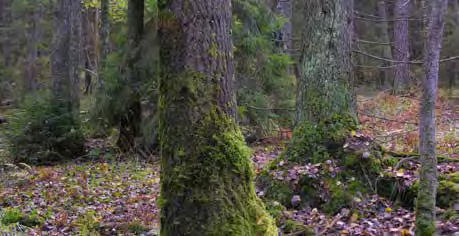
(348, 165)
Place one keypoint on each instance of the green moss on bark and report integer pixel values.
(207, 186)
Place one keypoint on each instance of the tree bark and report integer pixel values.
(326, 69)
(104, 33)
(206, 173)
(425, 202)
(130, 120)
(90, 24)
(388, 74)
(284, 9)
(401, 45)
(66, 55)
(30, 73)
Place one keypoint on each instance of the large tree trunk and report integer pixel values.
(206, 173)
(425, 202)
(130, 120)
(401, 45)
(66, 55)
(60, 53)
(326, 69)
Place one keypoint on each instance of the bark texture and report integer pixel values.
(104, 34)
(284, 9)
(33, 39)
(206, 173)
(66, 55)
(130, 120)
(388, 73)
(326, 69)
(425, 203)
(401, 45)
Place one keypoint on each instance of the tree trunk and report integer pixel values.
(66, 56)
(388, 74)
(284, 9)
(326, 70)
(425, 202)
(454, 78)
(206, 173)
(30, 73)
(130, 121)
(5, 21)
(60, 53)
(401, 46)
(104, 34)
(89, 22)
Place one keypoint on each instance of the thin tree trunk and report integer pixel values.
(401, 45)
(388, 74)
(454, 78)
(89, 45)
(425, 202)
(206, 174)
(104, 33)
(130, 121)
(284, 9)
(5, 15)
(326, 69)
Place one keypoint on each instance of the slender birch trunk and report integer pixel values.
(425, 202)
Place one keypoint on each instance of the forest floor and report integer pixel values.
(111, 194)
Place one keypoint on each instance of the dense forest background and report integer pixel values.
(134, 117)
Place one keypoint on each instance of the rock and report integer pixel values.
(295, 201)
(2, 119)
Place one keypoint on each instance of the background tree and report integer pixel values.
(130, 120)
(401, 45)
(325, 70)
(206, 175)
(425, 202)
(387, 73)
(104, 35)
(66, 56)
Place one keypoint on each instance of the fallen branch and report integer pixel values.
(414, 155)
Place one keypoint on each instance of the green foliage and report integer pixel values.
(87, 223)
(42, 131)
(13, 216)
(261, 71)
(319, 142)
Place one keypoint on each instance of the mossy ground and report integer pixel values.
(349, 167)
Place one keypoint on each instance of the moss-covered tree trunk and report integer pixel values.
(428, 182)
(324, 96)
(325, 66)
(206, 174)
(130, 120)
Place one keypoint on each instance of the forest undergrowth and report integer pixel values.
(108, 193)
